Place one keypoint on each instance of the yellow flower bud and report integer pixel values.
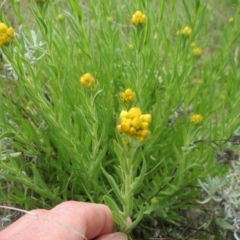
(87, 80)
(138, 18)
(144, 133)
(196, 118)
(137, 122)
(128, 95)
(154, 200)
(186, 31)
(197, 51)
(123, 114)
(141, 139)
(144, 125)
(125, 127)
(134, 112)
(146, 118)
(60, 17)
(132, 131)
(3, 28)
(10, 32)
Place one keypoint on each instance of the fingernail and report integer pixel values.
(118, 236)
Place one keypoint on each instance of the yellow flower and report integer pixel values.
(154, 200)
(231, 19)
(10, 32)
(144, 133)
(3, 28)
(6, 34)
(134, 112)
(128, 96)
(138, 18)
(125, 127)
(60, 17)
(130, 46)
(196, 118)
(197, 51)
(134, 123)
(146, 118)
(123, 114)
(87, 80)
(137, 122)
(132, 131)
(144, 125)
(193, 45)
(186, 31)
(109, 19)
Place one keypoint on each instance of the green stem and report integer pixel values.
(127, 189)
(128, 179)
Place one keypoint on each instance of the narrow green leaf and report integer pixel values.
(111, 203)
(135, 222)
(187, 10)
(224, 224)
(38, 179)
(114, 186)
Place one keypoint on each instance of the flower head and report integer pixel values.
(197, 51)
(128, 95)
(231, 19)
(87, 80)
(186, 31)
(193, 44)
(138, 18)
(109, 19)
(60, 17)
(135, 124)
(196, 119)
(6, 34)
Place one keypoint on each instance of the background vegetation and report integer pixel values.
(58, 139)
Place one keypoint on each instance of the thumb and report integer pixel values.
(113, 236)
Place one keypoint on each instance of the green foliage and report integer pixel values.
(59, 139)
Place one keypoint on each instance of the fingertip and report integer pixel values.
(114, 236)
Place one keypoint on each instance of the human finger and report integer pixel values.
(21, 223)
(113, 236)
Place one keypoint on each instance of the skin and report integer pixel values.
(67, 221)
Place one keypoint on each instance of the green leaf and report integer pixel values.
(135, 222)
(6, 134)
(86, 123)
(38, 178)
(138, 181)
(111, 203)
(118, 217)
(187, 10)
(114, 186)
(224, 224)
(96, 95)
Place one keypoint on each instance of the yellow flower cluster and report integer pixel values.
(186, 31)
(6, 34)
(196, 118)
(135, 124)
(128, 96)
(87, 80)
(138, 18)
(197, 51)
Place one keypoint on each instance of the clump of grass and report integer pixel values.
(62, 95)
